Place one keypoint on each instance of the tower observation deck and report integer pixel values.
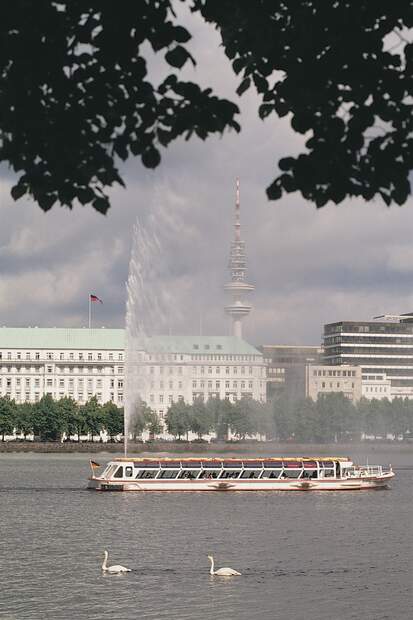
(238, 286)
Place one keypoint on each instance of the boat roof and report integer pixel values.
(219, 459)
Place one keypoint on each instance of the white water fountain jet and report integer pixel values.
(146, 312)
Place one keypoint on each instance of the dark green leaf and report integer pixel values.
(151, 158)
(238, 65)
(17, 191)
(178, 57)
(274, 191)
(101, 204)
(265, 110)
(245, 84)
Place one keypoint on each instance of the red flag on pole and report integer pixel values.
(95, 298)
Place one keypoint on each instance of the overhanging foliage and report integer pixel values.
(75, 94)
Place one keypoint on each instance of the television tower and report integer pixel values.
(238, 285)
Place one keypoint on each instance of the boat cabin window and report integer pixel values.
(227, 473)
(327, 469)
(128, 471)
(210, 473)
(109, 471)
(251, 473)
(144, 474)
(119, 472)
(191, 465)
(212, 465)
(168, 474)
(273, 465)
(274, 473)
(252, 465)
(291, 473)
(189, 474)
(309, 473)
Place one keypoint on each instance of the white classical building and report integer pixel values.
(81, 363)
(190, 367)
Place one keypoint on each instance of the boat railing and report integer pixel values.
(361, 471)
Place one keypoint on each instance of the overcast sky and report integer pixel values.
(309, 267)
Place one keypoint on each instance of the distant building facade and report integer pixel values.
(383, 350)
(286, 368)
(376, 386)
(322, 379)
(191, 367)
(81, 363)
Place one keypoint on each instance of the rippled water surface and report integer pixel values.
(302, 555)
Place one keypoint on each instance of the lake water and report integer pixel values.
(302, 555)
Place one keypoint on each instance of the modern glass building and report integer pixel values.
(383, 349)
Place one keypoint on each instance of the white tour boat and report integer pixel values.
(238, 474)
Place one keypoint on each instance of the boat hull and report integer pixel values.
(349, 484)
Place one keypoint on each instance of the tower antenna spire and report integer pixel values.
(237, 213)
(238, 285)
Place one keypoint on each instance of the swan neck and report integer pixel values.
(104, 561)
(211, 559)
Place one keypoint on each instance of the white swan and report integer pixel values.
(222, 572)
(116, 569)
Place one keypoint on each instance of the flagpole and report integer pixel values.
(90, 311)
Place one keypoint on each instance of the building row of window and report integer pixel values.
(384, 339)
(203, 370)
(51, 382)
(376, 389)
(334, 373)
(201, 384)
(227, 358)
(62, 356)
(378, 352)
(171, 398)
(178, 385)
(86, 370)
(381, 365)
(388, 328)
(334, 385)
(80, 397)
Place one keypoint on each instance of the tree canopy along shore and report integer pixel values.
(76, 97)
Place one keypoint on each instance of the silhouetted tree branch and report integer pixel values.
(75, 93)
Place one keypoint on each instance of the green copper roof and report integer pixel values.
(103, 338)
(61, 338)
(200, 345)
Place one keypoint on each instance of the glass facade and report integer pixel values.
(378, 347)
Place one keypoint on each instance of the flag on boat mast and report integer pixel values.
(95, 299)
(93, 465)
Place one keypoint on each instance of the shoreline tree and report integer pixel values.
(7, 416)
